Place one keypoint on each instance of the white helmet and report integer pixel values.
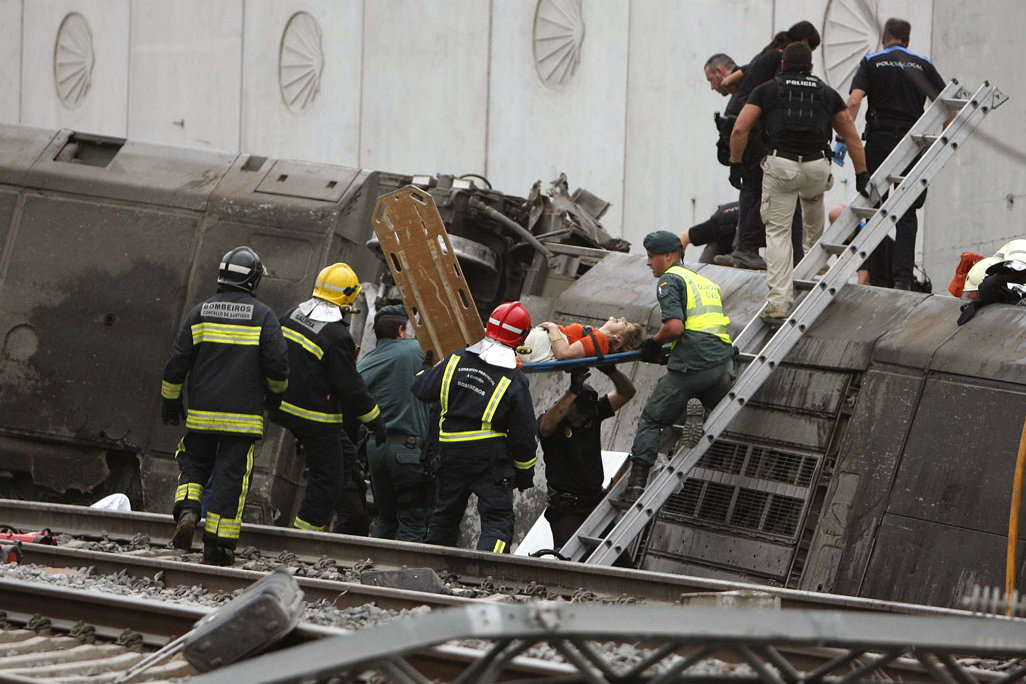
(978, 272)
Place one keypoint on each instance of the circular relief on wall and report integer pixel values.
(73, 59)
(851, 31)
(300, 61)
(558, 34)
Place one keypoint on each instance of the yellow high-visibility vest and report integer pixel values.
(704, 311)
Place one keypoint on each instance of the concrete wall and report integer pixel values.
(451, 86)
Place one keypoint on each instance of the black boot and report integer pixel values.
(215, 554)
(185, 530)
(636, 481)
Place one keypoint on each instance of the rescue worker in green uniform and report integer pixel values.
(232, 351)
(403, 492)
(701, 352)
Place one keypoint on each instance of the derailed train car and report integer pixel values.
(106, 243)
(877, 461)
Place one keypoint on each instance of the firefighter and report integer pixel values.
(232, 351)
(701, 352)
(325, 385)
(486, 430)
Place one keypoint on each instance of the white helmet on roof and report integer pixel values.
(978, 272)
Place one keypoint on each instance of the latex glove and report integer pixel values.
(577, 378)
(968, 311)
(735, 174)
(861, 183)
(650, 351)
(173, 411)
(380, 430)
(840, 152)
(524, 479)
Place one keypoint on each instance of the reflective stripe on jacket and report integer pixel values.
(704, 306)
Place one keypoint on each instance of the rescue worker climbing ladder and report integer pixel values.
(486, 430)
(232, 351)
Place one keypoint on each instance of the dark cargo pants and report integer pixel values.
(402, 491)
(670, 398)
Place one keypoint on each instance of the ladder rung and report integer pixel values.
(590, 542)
(955, 101)
(619, 504)
(924, 139)
(896, 180)
(745, 356)
(805, 284)
(864, 212)
(834, 249)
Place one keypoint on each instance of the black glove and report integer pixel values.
(861, 181)
(273, 400)
(650, 351)
(577, 378)
(380, 430)
(429, 359)
(173, 411)
(524, 478)
(968, 311)
(606, 368)
(735, 174)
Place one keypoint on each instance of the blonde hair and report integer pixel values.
(631, 338)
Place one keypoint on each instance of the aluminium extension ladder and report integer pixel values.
(606, 534)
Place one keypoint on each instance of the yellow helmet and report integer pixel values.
(337, 284)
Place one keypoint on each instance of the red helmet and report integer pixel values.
(509, 324)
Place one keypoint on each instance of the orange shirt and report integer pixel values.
(575, 332)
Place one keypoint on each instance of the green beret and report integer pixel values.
(662, 241)
(392, 311)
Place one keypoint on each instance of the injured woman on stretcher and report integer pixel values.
(549, 341)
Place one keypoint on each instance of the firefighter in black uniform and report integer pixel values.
(325, 385)
(232, 350)
(486, 432)
(717, 233)
(897, 83)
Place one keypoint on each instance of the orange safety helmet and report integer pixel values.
(509, 324)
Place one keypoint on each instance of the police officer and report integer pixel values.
(897, 82)
(797, 111)
(700, 357)
(232, 351)
(486, 431)
(402, 491)
(717, 233)
(325, 386)
(571, 441)
(747, 176)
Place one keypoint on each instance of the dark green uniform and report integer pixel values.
(403, 492)
(700, 359)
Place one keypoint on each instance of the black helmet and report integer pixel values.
(240, 269)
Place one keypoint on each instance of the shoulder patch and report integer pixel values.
(307, 322)
(228, 310)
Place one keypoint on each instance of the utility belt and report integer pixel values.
(409, 441)
(875, 122)
(815, 156)
(558, 499)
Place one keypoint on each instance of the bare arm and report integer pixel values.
(732, 80)
(845, 128)
(670, 330)
(742, 128)
(623, 388)
(551, 418)
(855, 102)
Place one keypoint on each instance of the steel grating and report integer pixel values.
(674, 645)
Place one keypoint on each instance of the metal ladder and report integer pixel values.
(606, 534)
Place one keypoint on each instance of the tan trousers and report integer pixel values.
(784, 181)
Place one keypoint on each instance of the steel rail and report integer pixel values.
(470, 566)
(159, 622)
(211, 578)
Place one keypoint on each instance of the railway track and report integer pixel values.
(483, 573)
